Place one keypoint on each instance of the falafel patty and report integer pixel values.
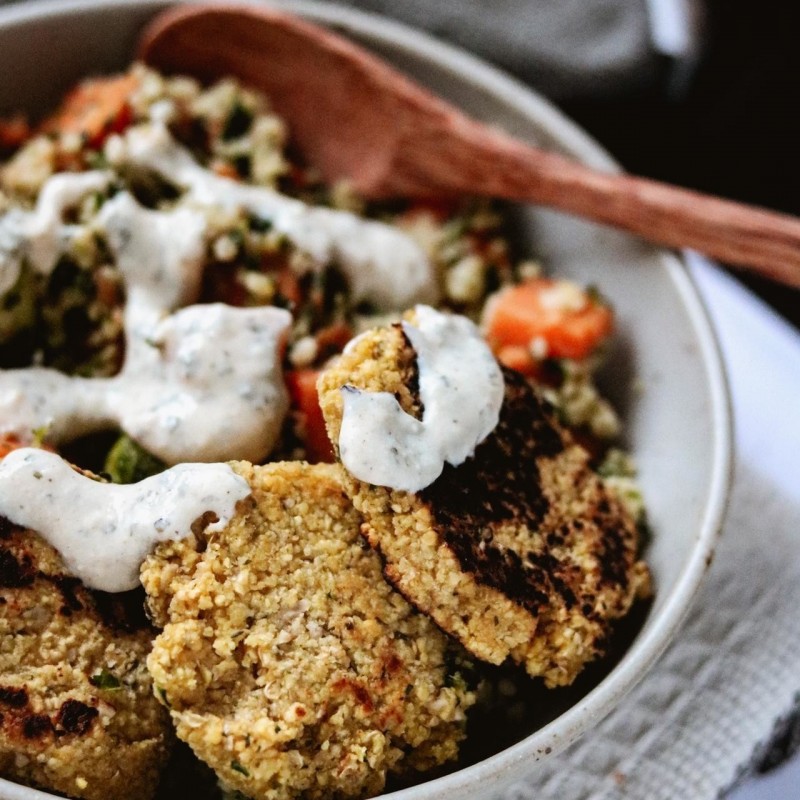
(289, 665)
(520, 551)
(77, 712)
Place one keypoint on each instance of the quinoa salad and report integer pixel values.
(299, 494)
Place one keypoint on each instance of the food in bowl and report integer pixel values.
(177, 285)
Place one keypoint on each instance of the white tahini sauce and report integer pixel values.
(40, 236)
(160, 253)
(102, 531)
(381, 264)
(203, 383)
(461, 389)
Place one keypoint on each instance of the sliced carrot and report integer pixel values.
(302, 385)
(14, 132)
(571, 322)
(95, 108)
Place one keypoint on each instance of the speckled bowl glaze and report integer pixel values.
(665, 374)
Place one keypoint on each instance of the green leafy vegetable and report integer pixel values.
(127, 462)
(105, 680)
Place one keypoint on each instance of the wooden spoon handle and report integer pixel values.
(762, 241)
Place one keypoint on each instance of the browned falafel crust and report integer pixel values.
(289, 665)
(77, 712)
(520, 551)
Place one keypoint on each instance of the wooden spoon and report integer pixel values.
(355, 117)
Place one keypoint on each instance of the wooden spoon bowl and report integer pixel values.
(355, 117)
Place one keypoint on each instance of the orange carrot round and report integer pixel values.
(570, 322)
(94, 108)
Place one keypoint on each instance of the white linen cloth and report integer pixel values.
(704, 715)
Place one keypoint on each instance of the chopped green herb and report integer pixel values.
(150, 188)
(105, 680)
(260, 224)
(238, 122)
(237, 767)
(492, 279)
(39, 435)
(595, 296)
(67, 275)
(456, 681)
(95, 159)
(242, 165)
(617, 464)
(98, 198)
(236, 236)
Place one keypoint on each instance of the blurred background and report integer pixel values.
(702, 93)
(732, 129)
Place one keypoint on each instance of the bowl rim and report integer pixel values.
(650, 643)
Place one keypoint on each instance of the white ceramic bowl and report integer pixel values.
(666, 374)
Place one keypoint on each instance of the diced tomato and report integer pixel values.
(287, 284)
(571, 322)
(9, 442)
(333, 338)
(302, 385)
(95, 109)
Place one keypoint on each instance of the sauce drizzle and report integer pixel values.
(103, 531)
(461, 389)
(381, 264)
